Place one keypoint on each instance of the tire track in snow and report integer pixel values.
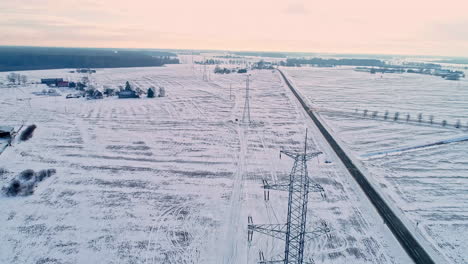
(233, 225)
(154, 231)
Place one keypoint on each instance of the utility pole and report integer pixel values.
(294, 232)
(192, 66)
(205, 76)
(246, 113)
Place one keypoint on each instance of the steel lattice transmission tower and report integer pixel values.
(246, 112)
(294, 231)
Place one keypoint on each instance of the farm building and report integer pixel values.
(52, 81)
(63, 84)
(128, 94)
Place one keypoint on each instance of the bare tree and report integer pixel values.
(24, 79)
(12, 77)
(162, 92)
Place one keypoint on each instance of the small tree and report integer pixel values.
(28, 132)
(12, 77)
(162, 92)
(24, 79)
(127, 86)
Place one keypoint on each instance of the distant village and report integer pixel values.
(374, 66)
(243, 67)
(435, 71)
(90, 92)
(85, 89)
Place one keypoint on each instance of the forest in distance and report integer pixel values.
(38, 58)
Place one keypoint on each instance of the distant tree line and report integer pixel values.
(332, 62)
(220, 61)
(31, 58)
(229, 57)
(209, 62)
(260, 54)
(422, 65)
(456, 61)
(224, 70)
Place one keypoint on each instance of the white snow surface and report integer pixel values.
(172, 180)
(428, 182)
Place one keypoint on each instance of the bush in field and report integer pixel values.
(41, 175)
(128, 87)
(151, 92)
(13, 189)
(25, 182)
(28, 132)
(162, 92)
(26, 175)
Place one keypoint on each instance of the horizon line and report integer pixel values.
(234, 50)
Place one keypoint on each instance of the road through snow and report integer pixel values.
(406, 238)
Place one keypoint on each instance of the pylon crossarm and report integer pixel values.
(316, 188)
(312, 155)
(295, 155)
(273, 230)
(278, 187)
(290, 154)
(317, 232)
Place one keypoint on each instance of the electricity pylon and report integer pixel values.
(246, 113)
(294, 231)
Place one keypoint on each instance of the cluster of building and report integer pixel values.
(444, 73)
(92, 93)
(150, 93)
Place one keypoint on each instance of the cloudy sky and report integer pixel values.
(420, 27)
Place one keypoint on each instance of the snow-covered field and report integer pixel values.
(173, 179)
(428, 184)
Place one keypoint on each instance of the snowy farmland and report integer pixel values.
(173, 179)
(427, 182)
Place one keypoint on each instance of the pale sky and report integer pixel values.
(430, 27)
